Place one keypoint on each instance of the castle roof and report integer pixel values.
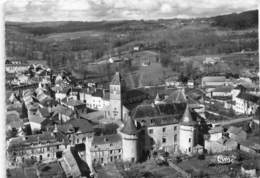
(129, 127)
(187, 117)
(157, 98)
(116, 79)
(178, 96)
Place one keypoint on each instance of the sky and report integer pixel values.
(98, 10)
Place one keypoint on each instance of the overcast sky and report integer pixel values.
(96, 10)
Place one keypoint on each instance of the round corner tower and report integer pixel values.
(130, 141)
(187, 133)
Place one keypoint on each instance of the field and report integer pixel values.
(171, 42)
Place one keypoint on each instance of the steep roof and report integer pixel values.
(152, 110)
(116, 79)
(177, 96)
(104, 139)
(157, 98)
(249, 97)
(82, 125)
(187, 117)
(129, 127)
(70, 165)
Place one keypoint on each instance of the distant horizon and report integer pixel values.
(120, 20)
(29, 11)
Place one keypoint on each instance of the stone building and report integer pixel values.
(45, 146)
(103, 149)
(188, 133)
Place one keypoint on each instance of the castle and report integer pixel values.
(147, 126)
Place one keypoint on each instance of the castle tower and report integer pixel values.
(187, 133)
(130, 141)
(116, 97)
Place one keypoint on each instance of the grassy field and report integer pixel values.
(71, 36)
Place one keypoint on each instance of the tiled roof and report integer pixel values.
(63, 110)
(225, 89)
(69, 164)
(249, 97)
(44, 112)
(32, 139)
(145, 110)
(129, 127)
(36, 118)
(105, 139)
(178, 96)
(50, 169)
(160, 120)
(81, 125)
(72, 102)
(187, 118)
(214, 79)
(152, 110)
(116, 79)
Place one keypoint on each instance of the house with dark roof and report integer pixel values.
(40, 147)
(246, 103)
(75, 105)
(104, 149)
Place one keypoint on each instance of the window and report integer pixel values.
(164, 140)
(83, 139)
(111, 151)
(189, 139)
(175, 128)
(119, 151)
(189, 149)
(102, 159)
(150, 131)
(77, 140)
(164, 129)
(111, 158)
(57, 146)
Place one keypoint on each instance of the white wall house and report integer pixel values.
(15, 68)
(96, 102)
(213, 81)
(246, 103)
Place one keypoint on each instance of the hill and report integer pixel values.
(239, 21)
